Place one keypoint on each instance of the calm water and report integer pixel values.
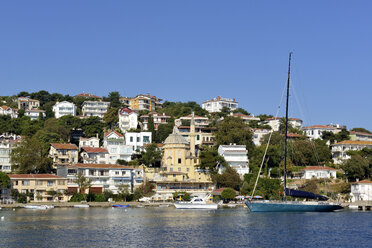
(168, 227)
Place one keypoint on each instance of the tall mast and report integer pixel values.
(286, 127)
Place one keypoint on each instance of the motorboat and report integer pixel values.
(196, 203)
(81, 206)
(38, 207)
(120, 206)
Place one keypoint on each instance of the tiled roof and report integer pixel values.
(318, 168)
(99, 166)
(195, 116)
(353, 142)
(319, 127)
(87, 95)
(64, 146)
(127, 110)
(34, 176)
(118, 134)
(363, 182)
(294, 135)
(361, 133)
(94, 149)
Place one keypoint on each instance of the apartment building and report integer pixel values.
(142, 102)
(95, 108)
(217, 103)
(89, 142)
(128, 119)
(64, 108)
(35, 114)
(159, 119)
(236, 156)
(316, 131)
(27, 103)
(63, 154)
(94, 155)
(200, 121)
(138, 141)
(360, 136)
(7, 143)
(5, 110)
(117, 148)
(340, 149)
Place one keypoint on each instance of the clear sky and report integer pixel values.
(196, 50)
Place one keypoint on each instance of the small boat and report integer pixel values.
(196, 203)
(81, 206)
(120, 206)
(38, 207)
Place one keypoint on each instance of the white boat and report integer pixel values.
(39, 207)
(81, 206)
(196, 203)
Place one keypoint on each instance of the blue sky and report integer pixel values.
(196, 50)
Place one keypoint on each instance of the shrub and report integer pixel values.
(77, 197)
(228, 194)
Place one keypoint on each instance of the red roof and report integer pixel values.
(319, 126)
(118, 134)
(363, 182)
(293, 135)
(99, 166)
(353, 142)
(126, 110)
(361, 133)
(318, 168)
(87, 95)
(34, 176)
(64, 146)
(94, 149)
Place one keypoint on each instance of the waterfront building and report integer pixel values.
(142, 102)
(200, 121)
(115, 144)
(64, 108)
(318, 172)
(316, 131)
(7, 143)
(217, 103)
(89, 142)
(360, 136)
(39, 187)
(361, 191)
(340, 149)
(159, 119)
(258, 134)
(35, 114)
(236, 157)
(63, 154)
(103, 177)
(5, 110)
(95, 108)
(27, 103)
(128, 119)
(94, 155)
(138, 141)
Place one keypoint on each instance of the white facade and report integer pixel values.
(246, 118)
(114, 142)
(64, 108)
(274, 123)
(316, 132)
(236, 156)
(95, 108)
(217, 103)
(361, 191)
(138, 140)
(89, 142)
(7, 143)
(128, 119)
(34, 114)
(94, 155)
(340, 149)
(5, 110)
(200, 121)
(318, 172)
(258, 134)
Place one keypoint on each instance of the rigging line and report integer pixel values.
(268, 142)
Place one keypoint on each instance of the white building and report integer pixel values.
(236, 156)
(246, 118)
(217, 103)
(90, 142)
(114, 142)
(5, 110)
(94, 155)
(159, 119)
(103, 176)
(64, 108)
(274, 123)
(339, 150)
(316, 131)
(200, 121)
(361, 191)
(7, 143)
(138, 140)
(258, 134)
(128, 119)
(360, 136)
(34, 114)
(318, 172)
(95, 108)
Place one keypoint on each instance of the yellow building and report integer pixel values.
(40, 187)
(179, 170)
(142, 102)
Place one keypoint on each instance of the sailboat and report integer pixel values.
(292, 206)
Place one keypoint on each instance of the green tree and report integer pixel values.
(209, 159)
(5, 182)
(30, 157)
(329, 136)
(342, 135)
(111, 118)
(150, 125)
(229, 178)
(92, 126)
(152, 156)
(163, 131)
(356, 167)
(83, 183)
(228, 194)
(114, 99)
(241, 111)
(360, 129)
(123, 191)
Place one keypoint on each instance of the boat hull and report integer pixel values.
(292, 207)
(195, 206)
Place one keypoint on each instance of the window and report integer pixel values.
(50, 183)
(117, 173)
(146, 139)
(39, 182)
(170, 169)
(131, 139)
(197, 137)
(188, 169)
(179, 169)
(138, 139)
(179, 160)
(61, 182)
(26, 183)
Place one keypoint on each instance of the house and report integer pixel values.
(103, 176)
(94, 155)
(159, 119)
(258, 134)
(340, 149)
(95, 108)
(199, 134)
(217, 103)
(142, 102)
(360, 136)
(318, 172)
(39, 187)
(64, 108)
(89, 142)
(236, 157)
(5, 110)
(274, 123)
(138, 140)
(35, 114)
(128, 119)
(115, 144)
(63, 154)
(27, 103)
(7, 143)
(316, 131)
(246, 118)
(361, 191)
(200, 121)
(88, 95)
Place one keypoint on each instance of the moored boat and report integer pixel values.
(120, 206)
(195, 203)
(38, 207)
(81, 206)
